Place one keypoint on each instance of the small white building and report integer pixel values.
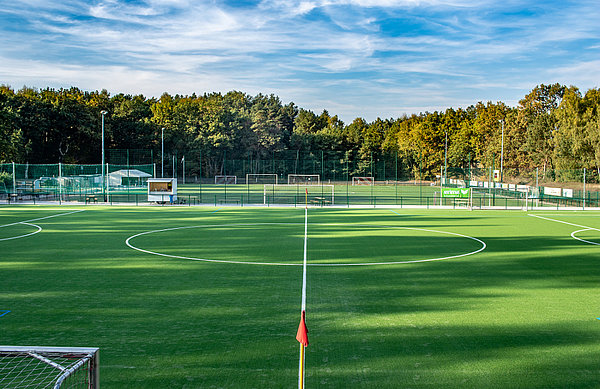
(128, 177)
(162, 189)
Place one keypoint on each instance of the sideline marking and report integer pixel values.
(128, 243)
(584, 228)
(2, 313)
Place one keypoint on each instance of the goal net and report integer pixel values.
(261, 178)
(49, 367)
(299, 194)
(304, 179)
(225, 179)
(363, 180)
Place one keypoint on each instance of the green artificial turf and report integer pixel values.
(520, 314)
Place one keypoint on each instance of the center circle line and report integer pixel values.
(130, 245)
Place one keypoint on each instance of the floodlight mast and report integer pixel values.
(162, 152)
(103, 112)
(502, 151)
(446, 159)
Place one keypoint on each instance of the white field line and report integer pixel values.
(563, 222)
(39, 229)
(301, 368)
(584, 228)
(583, 240)
(483, 246)
(305, 259)
(42, 218)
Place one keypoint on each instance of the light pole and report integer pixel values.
(103, 112)
(162, 152)
(446, 158)
(502, 152)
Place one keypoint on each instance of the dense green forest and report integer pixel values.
(553, 127)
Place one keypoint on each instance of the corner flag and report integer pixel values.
(302, 334)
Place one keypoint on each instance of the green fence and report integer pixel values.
(386, 180)
(66, 179)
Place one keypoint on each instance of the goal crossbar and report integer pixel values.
(304, 179)
(225, 180)
(316, 194)
(261, 178)
(56, 365)
(368, 180)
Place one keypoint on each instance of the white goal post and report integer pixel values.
(49, 367)
(363, 181)
(298, 194)
(261, 178)
(304, 179)
(225, 180)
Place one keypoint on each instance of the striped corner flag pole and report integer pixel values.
(302, 337)
(302, 334)
(306, 198)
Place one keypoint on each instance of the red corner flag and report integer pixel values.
(302, 335)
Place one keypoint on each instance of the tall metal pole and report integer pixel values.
(103, 176)
(162, 152)
(446, 159)
(502, 153)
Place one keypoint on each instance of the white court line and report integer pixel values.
(583, 240)
(584, 228)
(39, 229)
(563, 222)
(483, 245)
(42, 218)
(305, 259)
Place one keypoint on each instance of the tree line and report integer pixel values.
(553, 127)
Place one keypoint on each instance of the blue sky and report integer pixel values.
(355, 58)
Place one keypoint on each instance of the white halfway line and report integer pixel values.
(584, 228)
(301, 367)
(304, 263)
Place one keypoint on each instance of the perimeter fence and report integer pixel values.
(384, 180)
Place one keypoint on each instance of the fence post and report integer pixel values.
(584, 194)
(14, 179)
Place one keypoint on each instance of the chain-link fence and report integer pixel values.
(292, 177)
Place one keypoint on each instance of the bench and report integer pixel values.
(90, 199)
(226, 201)
(319, 201)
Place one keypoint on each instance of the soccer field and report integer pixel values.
(201, 297)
